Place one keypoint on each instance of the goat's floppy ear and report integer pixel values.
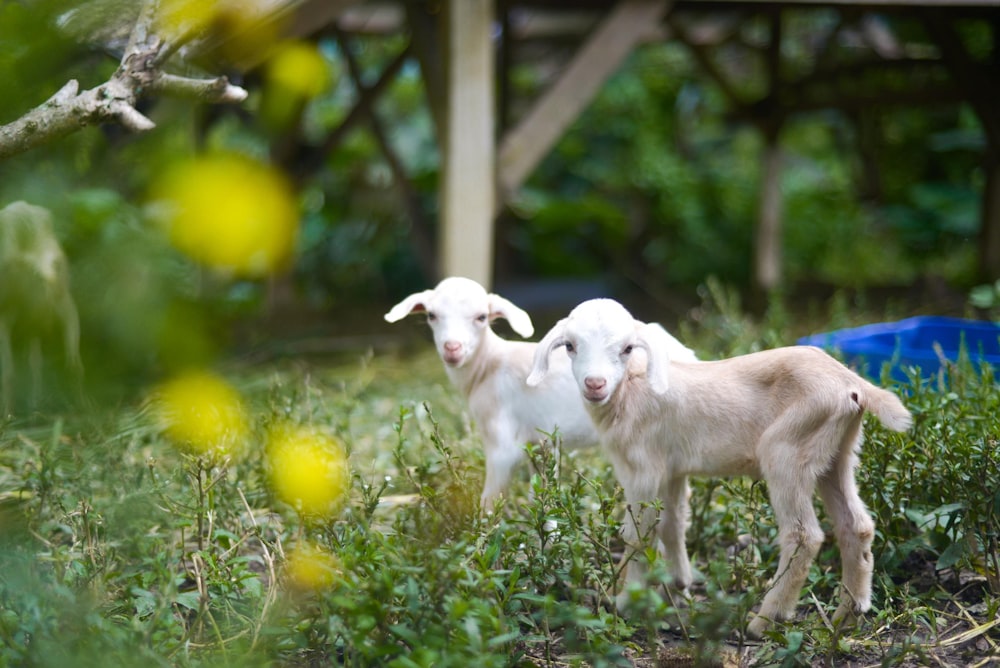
(415, 302)
(554, 339)
(519, 321)
(657, 343)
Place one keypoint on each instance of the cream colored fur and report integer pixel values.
(791, 416)
(489, 371)
(35, 296)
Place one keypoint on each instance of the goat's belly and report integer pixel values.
(727, 467)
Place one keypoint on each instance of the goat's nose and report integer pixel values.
(452, 346)
(594, 383)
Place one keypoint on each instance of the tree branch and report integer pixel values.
(138, 74)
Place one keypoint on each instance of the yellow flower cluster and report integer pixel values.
(308, 469)
(298, 68)
(239, 29)
(202, 413)
(309, 568)
(295, 73)
(230, 213)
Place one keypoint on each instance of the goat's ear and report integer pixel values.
(414, 303)
(657, 343)
(519, 321)
(554, 339)
(674, 349)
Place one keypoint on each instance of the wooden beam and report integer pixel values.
(705, 62)
(308, 159)
(468, 191)
(524, 147)
(420, 229)
(425, 36)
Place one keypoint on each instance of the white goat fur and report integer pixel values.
(490, 372)
(792, 416)
(34, 294)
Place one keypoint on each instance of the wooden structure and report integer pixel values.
(465, 48)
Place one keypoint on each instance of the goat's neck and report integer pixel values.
(632, 397)
(483, 363)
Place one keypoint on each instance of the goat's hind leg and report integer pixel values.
(855, 530)
(799, 538)
(501, 460)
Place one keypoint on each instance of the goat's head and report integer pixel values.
(601, 338)
(459, 311)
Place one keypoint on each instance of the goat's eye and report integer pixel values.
(431, 316)
(481, 317)
(627, 350)
(570, 348)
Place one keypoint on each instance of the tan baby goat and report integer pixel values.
(792, 416)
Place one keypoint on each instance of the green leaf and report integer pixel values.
(952, 555)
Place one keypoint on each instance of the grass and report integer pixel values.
(119, 549)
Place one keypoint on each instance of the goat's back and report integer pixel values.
(496, 390)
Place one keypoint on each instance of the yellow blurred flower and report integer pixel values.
(309, 568)
(239, 29)
(309, 470)
(298, 68)
(203, 413)
(177, 17)
(230, 213)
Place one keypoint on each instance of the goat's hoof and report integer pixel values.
(846, 615)
(622, 603)
(757, 626)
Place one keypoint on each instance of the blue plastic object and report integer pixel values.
(911, 342)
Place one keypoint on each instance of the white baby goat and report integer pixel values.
(35, 297)
(490, 372)
(792, 416)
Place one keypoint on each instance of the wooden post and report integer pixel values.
(468, 190)
(767, 261)
(978, 85)
(601, 55)
(989, 233)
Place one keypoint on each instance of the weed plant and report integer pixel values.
(119, 549)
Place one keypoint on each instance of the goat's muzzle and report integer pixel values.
(453, 353)
(595, 389)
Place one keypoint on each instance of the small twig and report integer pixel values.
(822, 613)
(139, 73)
(272, 590)
(205, 90)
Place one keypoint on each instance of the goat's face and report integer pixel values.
(600, 337)
(458, 320)
(459, 312)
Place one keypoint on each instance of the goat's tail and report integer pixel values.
(887, 407)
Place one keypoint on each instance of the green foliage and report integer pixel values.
(986, 298)
(117, 547)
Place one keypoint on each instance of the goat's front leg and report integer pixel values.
(503, 454)
(640, 522)
(674, 494)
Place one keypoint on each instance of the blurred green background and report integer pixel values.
(652, 191)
